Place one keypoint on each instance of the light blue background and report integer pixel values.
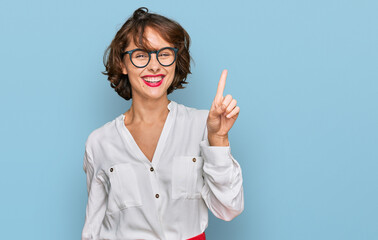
(304, 74)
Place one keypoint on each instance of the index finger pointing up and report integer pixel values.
(221, 85)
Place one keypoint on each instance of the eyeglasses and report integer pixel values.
(140, 58)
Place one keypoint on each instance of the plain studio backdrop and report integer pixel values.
(304, 73)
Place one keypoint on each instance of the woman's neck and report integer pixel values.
(148, 111)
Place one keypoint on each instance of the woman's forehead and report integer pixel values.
(150, 39)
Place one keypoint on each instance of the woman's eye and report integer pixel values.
(164, 54)
(141, 56)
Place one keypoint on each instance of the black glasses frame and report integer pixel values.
(149, 56)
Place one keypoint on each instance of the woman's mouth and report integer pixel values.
(153, 80)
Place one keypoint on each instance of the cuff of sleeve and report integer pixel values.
(216, 155)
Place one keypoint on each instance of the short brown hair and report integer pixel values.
(134, 28)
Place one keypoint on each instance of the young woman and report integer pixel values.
(155, 170)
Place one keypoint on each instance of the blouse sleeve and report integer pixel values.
(97, 198)
(223, 188)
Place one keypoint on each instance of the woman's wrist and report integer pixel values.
(219, 141)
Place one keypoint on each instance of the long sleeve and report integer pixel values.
(223, 182)
(96, 204)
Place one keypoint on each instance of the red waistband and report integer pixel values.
(199, 237)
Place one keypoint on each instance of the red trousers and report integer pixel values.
(199, 237)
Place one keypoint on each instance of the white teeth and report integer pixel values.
(153, 79)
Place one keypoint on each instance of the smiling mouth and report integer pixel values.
(153, 79)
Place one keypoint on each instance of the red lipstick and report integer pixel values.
(153, 80)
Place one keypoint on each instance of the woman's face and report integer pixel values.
(153, 72)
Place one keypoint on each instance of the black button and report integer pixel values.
(151, 169)
(157, 195)
(111, 169)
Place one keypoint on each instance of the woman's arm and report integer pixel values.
(96, 204)
(223, 181)
(223, 188)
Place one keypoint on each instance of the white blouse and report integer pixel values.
(130, 197)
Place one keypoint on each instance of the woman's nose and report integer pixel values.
(154, 64)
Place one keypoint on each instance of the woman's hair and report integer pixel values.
(133, 29)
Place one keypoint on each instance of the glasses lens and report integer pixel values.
(140, 58)
(166, 56)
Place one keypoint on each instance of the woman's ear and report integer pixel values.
(124, 70)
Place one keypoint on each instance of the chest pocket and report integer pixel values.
(124, 189)
(187, 179)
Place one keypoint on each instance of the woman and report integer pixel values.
(154, 171)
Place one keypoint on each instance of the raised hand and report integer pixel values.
(222, 115)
